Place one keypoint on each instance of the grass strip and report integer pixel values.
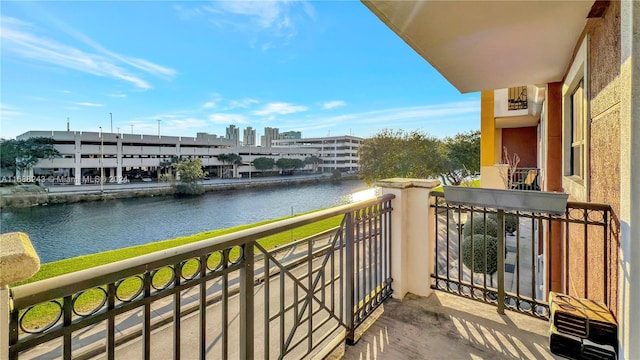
(45, 313)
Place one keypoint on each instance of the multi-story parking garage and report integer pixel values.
(336, 152)
(84, 156)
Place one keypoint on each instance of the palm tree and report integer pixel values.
(231, 158)
(313, 160)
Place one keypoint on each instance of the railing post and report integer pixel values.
(349, 278)
(4, 322)
(18, 261)
(246, 303)
(413, 235)
(501, 256)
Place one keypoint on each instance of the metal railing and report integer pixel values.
(218, 298)
(467, 257)
(517, 98)
(525, 179)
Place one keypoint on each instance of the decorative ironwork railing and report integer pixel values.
(467, 261)
(517, 98)
(525, 179)
(223, 297)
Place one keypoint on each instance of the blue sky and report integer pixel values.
(320, 67)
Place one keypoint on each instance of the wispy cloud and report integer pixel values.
(89, 104)
(413, 117)
(242, 103)
(268, 24)
(280, 108)
(187, 123)
(117, 95)
(8, 112)
(214, 102)
(20, 39)
(333, 104)
(228, 118)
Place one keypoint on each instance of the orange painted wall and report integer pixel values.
(522, 141)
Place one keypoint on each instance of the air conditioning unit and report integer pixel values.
(581, 328)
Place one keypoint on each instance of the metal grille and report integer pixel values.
(587, 232)
(218, 298)
(518, 98)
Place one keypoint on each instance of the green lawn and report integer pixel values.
(45, 313)
(472, 183)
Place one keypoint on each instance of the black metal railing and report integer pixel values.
(525, 179)
(517, 98)
(218, 298)
(467, 258)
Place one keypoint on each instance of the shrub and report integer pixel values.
(189, 189)
(480, 244)
(510, 223)
(336, 175)
(479, 224)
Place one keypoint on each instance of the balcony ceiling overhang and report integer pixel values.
(483, 45)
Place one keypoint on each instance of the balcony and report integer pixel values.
(518, 106)
(517, 98)
(231, 297)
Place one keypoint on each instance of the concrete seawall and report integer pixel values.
(24, 196)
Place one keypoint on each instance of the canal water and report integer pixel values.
(65, 231)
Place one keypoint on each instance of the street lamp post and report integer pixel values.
(111, 117)
(159, 127)
(101, 161)
(131, 129)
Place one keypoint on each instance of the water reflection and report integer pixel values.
(64, 231)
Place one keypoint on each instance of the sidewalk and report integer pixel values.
(129, 186)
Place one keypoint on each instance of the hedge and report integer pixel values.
(480, 244)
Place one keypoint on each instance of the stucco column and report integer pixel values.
(18, 261)
(119, 158)
(77, 158)
(629, 270)
(412, 235)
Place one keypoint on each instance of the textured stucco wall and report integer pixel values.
(604, 94)
(604, 167)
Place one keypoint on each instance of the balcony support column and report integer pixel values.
(412, 235)
(18, 262)
(629, 267)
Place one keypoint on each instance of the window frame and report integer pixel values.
(577, 185)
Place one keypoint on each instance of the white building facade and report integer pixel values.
(86, 156)
(336, 152)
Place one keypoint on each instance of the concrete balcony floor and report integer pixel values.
(444, 326)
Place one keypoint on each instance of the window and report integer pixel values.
(575, 135)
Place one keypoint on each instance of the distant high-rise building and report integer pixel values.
(249, 138)
(233, 133)
(290, 135)
(270, 134)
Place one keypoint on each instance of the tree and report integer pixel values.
(313, 160)
(399, 154)
(168, 168)
(289, 164)
(190, 171)
(415, 154)
(22, 155)
(263, 163)
(461, 157)
(230, 158)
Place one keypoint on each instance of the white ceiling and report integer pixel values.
(482, 45)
